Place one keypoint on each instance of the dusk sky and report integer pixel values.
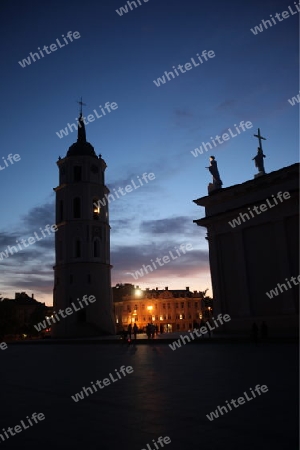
(154, 129)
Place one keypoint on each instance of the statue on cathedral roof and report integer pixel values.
(213, 168)
(259, 158)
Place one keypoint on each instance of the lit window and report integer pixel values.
(96, 208)
(180, 317)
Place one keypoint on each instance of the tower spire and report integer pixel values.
(81, 103)
(81, 137)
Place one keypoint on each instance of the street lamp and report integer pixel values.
(209, 311)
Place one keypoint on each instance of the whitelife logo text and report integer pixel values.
(11, 158)
(261, 208)
(124, 9)
(241, 401)
(225, 136)
(203, 330)
(166, 259)
(106, 382)
(24, 426)
(187, 66)
(53, 48)
(68, 311)
(86, 120)
(31, 240)
(268, 23)
(128, 188)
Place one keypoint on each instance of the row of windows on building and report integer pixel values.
(78, 248)
(71, 280)
(167, 317)
(95, 209)
(77, 173)
(165, 306)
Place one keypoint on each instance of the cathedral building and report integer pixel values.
(253, 236)
(82, 271)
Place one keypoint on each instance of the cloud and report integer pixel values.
(226, 105)
(137, 186)
(29, 268)
(127, 260)
(180, 225)
(183, 113)
(39, 216)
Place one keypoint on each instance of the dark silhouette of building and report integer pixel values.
(254, 250)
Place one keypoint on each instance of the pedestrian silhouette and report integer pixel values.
(129, 330)
(135, 330)
(264, 330)
(254, 333)
(208, 329)
(148, 330)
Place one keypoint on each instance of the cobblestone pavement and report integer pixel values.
(168, 393)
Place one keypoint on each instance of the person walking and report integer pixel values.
(264, 331)
(148, 330)
(129, 330)
(254, 333)
(135, 330)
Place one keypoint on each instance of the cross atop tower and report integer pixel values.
(259, 137)
(81, 103)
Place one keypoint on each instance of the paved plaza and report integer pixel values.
(168, 393)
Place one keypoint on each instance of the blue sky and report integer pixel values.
(154, 128)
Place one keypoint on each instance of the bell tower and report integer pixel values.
(82, 243)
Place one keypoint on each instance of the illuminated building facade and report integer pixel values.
(170, 310)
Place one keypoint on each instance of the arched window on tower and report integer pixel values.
(96, 248)
(76, 208)
(96, 208)
(77, 173)
(78, 249)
